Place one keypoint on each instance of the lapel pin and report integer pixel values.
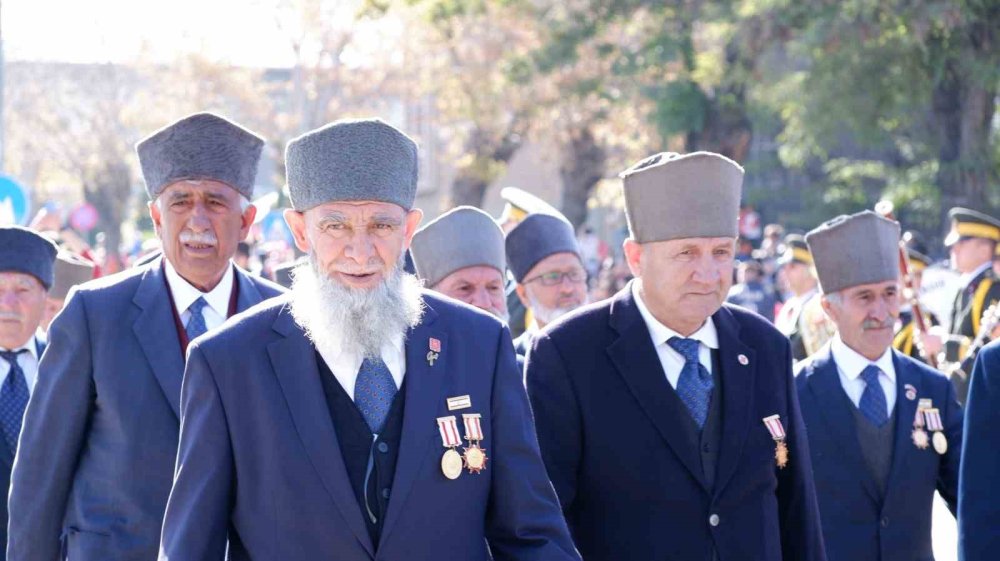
(911, 392)
(435, 350)
(743, 360)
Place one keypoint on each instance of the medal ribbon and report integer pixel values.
(448, 427)
(473, 428)
(774, 426)
(934, 420)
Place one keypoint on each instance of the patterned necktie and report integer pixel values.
(695, 383)
(13, 399)
(373, 392)
(196, 323)
(873, 405)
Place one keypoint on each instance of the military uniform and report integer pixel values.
(790, 318)
(904, 340)
(974, 297)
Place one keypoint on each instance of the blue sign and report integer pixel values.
(15, 204)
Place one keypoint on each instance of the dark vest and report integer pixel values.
(876, 444)
(365, 458)
(710, 436)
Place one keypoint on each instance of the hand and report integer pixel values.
(933, 340)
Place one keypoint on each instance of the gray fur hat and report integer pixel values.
(200, 146)
(366, 160)
(25, 251)
(848, 251)
(535, 238)
(70, 270)
(672, 196)
(462, 237)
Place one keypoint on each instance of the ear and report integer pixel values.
(413, 218)
(154, 215)
(522, 294)
(633, 256)
(246, 221)
(297, 224)
(829, 308)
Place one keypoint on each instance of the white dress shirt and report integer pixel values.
(184, 294)
(28, 362)
(671, 360)
(849, 366)
(345, 364)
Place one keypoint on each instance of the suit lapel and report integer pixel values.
(906, 411)
(835, 406)
(155, 332)
(248, 294)
(737, 394)
(293, 360)
(424, 397)
(638, 364)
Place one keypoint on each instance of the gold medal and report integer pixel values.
(475, 458)
(451, 464)
(940, 443)
(781, 454)
(920, 438)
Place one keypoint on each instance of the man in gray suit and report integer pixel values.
(94, 468)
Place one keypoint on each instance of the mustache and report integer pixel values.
(888, 323)
(203, 238)
(10, 315)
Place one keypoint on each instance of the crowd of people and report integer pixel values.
(474, 387)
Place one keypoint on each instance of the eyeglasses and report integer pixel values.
(555, 277)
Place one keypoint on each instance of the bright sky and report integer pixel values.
(240, 32)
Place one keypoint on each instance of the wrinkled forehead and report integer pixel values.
(693, 243)
(17, 279)
(356, 211)
(193, 188)
(477, 274)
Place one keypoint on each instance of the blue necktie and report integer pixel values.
(694, 386)
(873, 405)
(13, 399)
(196, 323)
(373, 392)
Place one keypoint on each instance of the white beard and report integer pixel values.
(338, 318)
(547, 315)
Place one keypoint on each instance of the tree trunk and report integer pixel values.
(584, 163)
(109, 189)
(486, 159)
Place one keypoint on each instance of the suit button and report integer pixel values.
(713, 520)
(385, 493)
(885, 521)
(705, 448)
(383, 447)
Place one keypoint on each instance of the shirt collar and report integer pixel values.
(851, 363)
(185, 293)
(660, 333)
(30, 345)
(964, 280)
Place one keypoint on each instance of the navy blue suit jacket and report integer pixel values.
(978, 491)
(6, 463)
(99, 442)
(631, 482)
(859, 524)
(259, 458)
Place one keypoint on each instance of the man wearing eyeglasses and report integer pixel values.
(545, 259)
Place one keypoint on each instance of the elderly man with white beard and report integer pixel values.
(545, 259)
(360, 417)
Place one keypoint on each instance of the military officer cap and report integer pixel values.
(796, 251)
(518, 204)
(848, 251)
(918, 261)
(25, 251)
(535, 238)
(364, 160)
(672, 196)
(462, 237)
(69, 270)
(966, 223)
(200, 146)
